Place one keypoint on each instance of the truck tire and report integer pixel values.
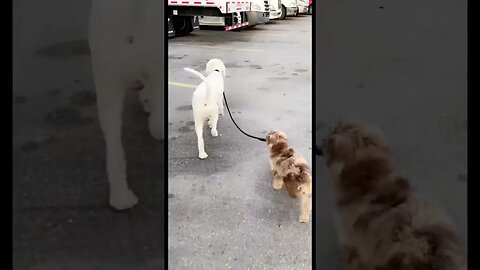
(284, 13)
(182, 25)
(309, 9)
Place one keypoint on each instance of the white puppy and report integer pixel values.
(127, 52)
(207, 100)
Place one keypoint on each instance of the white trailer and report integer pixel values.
(182, 13)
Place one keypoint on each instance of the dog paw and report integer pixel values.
(202, 155)
(304, 219)
(214, 133)
(277, 185)
(122, 200)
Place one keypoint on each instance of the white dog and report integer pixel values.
(127, 52)
(207, 100)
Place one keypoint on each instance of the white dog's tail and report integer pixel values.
(200, 75)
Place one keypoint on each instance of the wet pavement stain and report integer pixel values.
(83, 98)
(67, 49)
(53, 92)
(20, 100)
(184, 108)
(66, 116)
(301, 70)
(185, 129)
(177, 57)
(29, 146)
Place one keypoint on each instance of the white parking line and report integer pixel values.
(218, 47)
(184, 85)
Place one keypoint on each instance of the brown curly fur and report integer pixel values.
(383, 224)
(290, 169)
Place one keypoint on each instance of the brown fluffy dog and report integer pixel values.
(290, 169)
(383, 224)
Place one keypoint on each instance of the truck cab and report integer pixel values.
(275, 9)
(289, 8)
(302, 6)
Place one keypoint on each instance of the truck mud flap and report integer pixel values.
(237, 26)
(196, 22)
(171, 30)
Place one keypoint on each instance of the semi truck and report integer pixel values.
(258, 14)
(185, 15)
(302, 6)
(275, 9)
(289, 8)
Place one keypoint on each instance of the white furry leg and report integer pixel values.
(199, 130)
(214, 121)
(305, 207)
(220, 105)
(110, 95)
(277, 181)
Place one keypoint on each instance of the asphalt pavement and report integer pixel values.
(223, 212)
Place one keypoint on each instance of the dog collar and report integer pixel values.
(217, 70)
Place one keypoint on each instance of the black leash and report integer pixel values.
(318, 150)
(248, 135)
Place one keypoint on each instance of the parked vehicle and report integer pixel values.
(289, 8)
(259, 12)
(302, 6)
(181, 14)
(275, 9)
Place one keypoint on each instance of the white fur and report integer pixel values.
(207, 100)
(126, 44)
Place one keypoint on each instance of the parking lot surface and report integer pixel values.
(223, 212)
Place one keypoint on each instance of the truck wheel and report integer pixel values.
(182, 25)
(297, 13)
(284, 13)
(309, 9)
